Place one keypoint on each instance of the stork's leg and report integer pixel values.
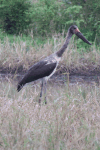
(41, 92)
(45, 89)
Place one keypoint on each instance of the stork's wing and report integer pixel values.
(37, 71)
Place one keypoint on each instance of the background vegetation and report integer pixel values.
(44, 17)
(29, 31)
(35, 28)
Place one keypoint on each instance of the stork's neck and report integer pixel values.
(63, 48)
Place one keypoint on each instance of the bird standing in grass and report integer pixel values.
(46, 67)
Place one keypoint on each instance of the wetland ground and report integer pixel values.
(71, 118)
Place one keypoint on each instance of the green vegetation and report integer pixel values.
(52, 16)
(45, 17)
(15, 15)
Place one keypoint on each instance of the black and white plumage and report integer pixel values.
(46, 67)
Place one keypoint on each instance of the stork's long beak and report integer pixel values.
(80, 35)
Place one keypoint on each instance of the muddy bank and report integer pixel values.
(58, 79)
(81, 75)
(86, 70)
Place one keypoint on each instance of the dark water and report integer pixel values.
(72, 79)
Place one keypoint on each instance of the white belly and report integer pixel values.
(56, 59)
(47, 77)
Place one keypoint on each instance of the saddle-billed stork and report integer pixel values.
(46, 67)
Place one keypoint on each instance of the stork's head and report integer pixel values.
(74, 30)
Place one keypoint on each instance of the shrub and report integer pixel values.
(91, 15)
(51, 16)
(15, 16)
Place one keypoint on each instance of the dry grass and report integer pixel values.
(19, 54)
(15, 55)
(70, 120)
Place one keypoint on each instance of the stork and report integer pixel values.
(46, 67)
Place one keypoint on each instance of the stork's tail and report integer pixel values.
(20, 85)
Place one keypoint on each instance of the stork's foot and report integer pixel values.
(45, 102)
(39, 100)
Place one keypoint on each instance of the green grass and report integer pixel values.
(29, 39)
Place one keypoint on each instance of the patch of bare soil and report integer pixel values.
(81, 75)
(82, 70)
(88, 70)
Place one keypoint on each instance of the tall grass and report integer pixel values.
(70, 120)
(22, 52)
